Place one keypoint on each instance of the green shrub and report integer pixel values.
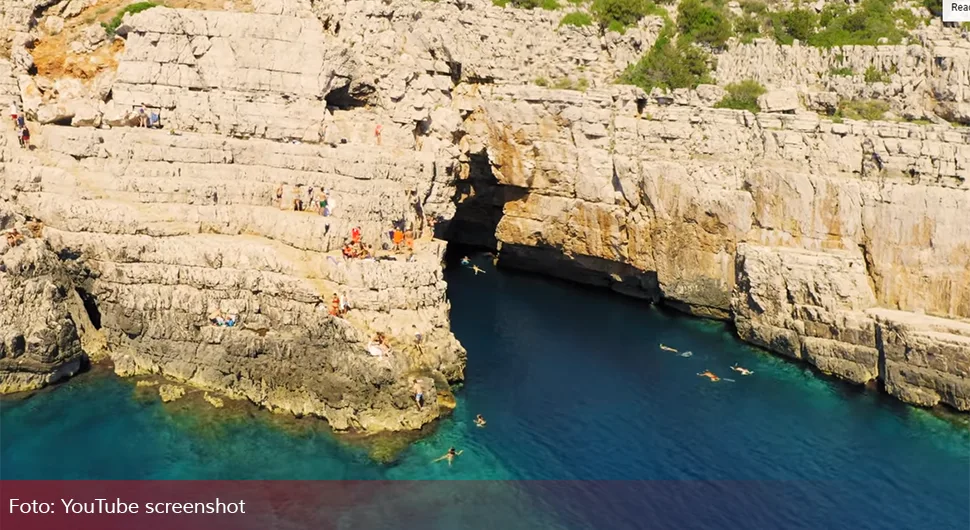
(704, 22)
(742, 96)
(532, 4)
(576, 18)
(748, 28)
(870, 21)
(500, 3)
(754, 7)
(668, 65)
(112, 25)
(842, 71)
(875, 75)
(934, 6)
(617, 15)
(541, 81)
(863, 109)
(797, 24)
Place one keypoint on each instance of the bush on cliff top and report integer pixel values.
(742, 96)
(617, 15)
(838, 25)
(669, 65)
(112, 25)
(576, 18)
(704, 22)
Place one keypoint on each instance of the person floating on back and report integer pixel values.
(740, 370)
(479, 421)
(477, 270)
(450, 456)
(710, 375)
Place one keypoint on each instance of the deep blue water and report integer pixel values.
(574, 388)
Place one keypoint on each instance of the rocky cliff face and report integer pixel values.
(843, 244)
(39, 341)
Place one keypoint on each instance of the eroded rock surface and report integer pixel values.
(843, 244)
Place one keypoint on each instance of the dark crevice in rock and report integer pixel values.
(342, 98)
(90, 306)
(480, 201)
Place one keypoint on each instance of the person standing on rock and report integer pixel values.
(279, 195)
(14, 111)
(25, 138)
(418, 393)
(355, 235)
(377, 133)
(142, 117)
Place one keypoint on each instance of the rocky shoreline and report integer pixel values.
(841, 243)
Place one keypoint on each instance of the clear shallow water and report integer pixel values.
(574, 388)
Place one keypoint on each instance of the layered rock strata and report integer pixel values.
(39, 341)
(844, 244)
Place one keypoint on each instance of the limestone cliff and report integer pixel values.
(841, 243)
(39, 341)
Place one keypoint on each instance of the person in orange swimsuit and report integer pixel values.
(710, 375)
(398, 238)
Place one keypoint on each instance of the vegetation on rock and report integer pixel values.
(704, 22)
(862, 109)
(617, 15)
(742, 96)
(669, 65)
(138, 7)
(577, 18)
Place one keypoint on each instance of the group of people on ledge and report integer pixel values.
(220, 320)
(312, 200)
(20, 125)
(150, 120)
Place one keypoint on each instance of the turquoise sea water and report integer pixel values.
(574, 388)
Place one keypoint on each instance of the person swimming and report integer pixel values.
(479, 420)
(667, 348)
(686, 354)
(740, 370)
(477, 270)
(450, 455)
(710, 375)
(465, 260)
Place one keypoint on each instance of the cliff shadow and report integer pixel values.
(480, 203)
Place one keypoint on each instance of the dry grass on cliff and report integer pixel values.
(54, 60)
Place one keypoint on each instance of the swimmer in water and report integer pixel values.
(479, 420)
(708, 374)
(667, 348)
(686, 354)
(465, 260)
(740, 370)
(450, 455)
(477, 270)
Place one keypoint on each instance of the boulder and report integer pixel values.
(170, 392)
(86, 113)
(54, 25)
(785, 100)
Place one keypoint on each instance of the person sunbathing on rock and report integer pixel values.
(740, 370)
(479, 421)
(710, 375)
(450, 456)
